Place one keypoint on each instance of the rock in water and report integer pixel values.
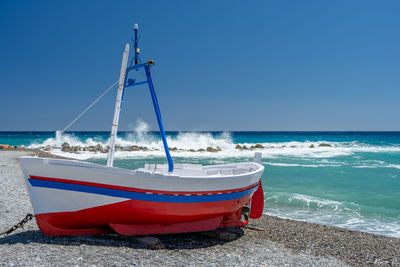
(325, 144)
(77, 148)
(65, 147)
(135, 148)
(92, 148)
(106, 149)
(99, 147)
(201, 150)
(238, 147)
(259, 146)
(65, 144)
(211, 149)
(312, 146)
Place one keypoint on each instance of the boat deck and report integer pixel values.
(198, 170)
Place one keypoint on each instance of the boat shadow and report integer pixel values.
(167, 241)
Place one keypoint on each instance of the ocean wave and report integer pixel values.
(396, 166)
(354, 221)
(309, 202)
(329, 212)
(379, 164)
(185, 142)
(292, 165)
(325, 164)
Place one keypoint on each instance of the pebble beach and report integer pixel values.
(269, 241)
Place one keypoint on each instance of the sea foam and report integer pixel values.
(329, 212)
(185, 141)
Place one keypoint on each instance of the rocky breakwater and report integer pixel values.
(260, 146)
(66, 147)
(9, 147)
(208, 149)
(104, 149)
(320, 145)
(244, 147)
(97, 148)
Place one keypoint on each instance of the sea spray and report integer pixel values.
(189, 144)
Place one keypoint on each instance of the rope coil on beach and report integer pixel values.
(21, 224)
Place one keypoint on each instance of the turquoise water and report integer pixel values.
(354, 183)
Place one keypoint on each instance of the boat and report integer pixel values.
(71, 197)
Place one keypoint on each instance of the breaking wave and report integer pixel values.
(374, 166)
(187, 144)
(309, 202)
(329, 212)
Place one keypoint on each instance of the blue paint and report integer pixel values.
(159, 119)
(136, 67)
(149, 81)
(139, 196)
(135, 45)
(135, 84)
(130, 82)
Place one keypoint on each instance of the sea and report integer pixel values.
(351, 181)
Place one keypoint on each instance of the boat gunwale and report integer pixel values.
(161, 174)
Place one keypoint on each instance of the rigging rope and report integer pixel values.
(91, 105)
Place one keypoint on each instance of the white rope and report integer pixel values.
(91, 105)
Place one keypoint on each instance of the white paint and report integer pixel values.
(118, 101)
(186, 177)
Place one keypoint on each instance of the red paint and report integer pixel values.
(142, 217)
(257, 203)
(139, 190)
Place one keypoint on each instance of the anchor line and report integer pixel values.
(21, 224)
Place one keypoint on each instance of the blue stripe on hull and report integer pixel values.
(139, 196)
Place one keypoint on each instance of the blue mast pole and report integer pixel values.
(158, 114)
(146, 66)
(135, 44)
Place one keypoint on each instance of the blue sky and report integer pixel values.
(220, 65)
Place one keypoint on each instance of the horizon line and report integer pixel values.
(308, 131)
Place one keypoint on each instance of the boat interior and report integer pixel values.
(185, 169)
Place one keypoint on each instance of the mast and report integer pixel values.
(118, 102)
(135, 44)
(123, 83)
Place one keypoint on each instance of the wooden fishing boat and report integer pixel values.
(71, 197)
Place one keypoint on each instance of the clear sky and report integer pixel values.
(220, 65)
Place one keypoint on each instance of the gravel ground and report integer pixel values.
(278, 242)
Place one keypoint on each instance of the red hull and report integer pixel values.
(138, 217)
